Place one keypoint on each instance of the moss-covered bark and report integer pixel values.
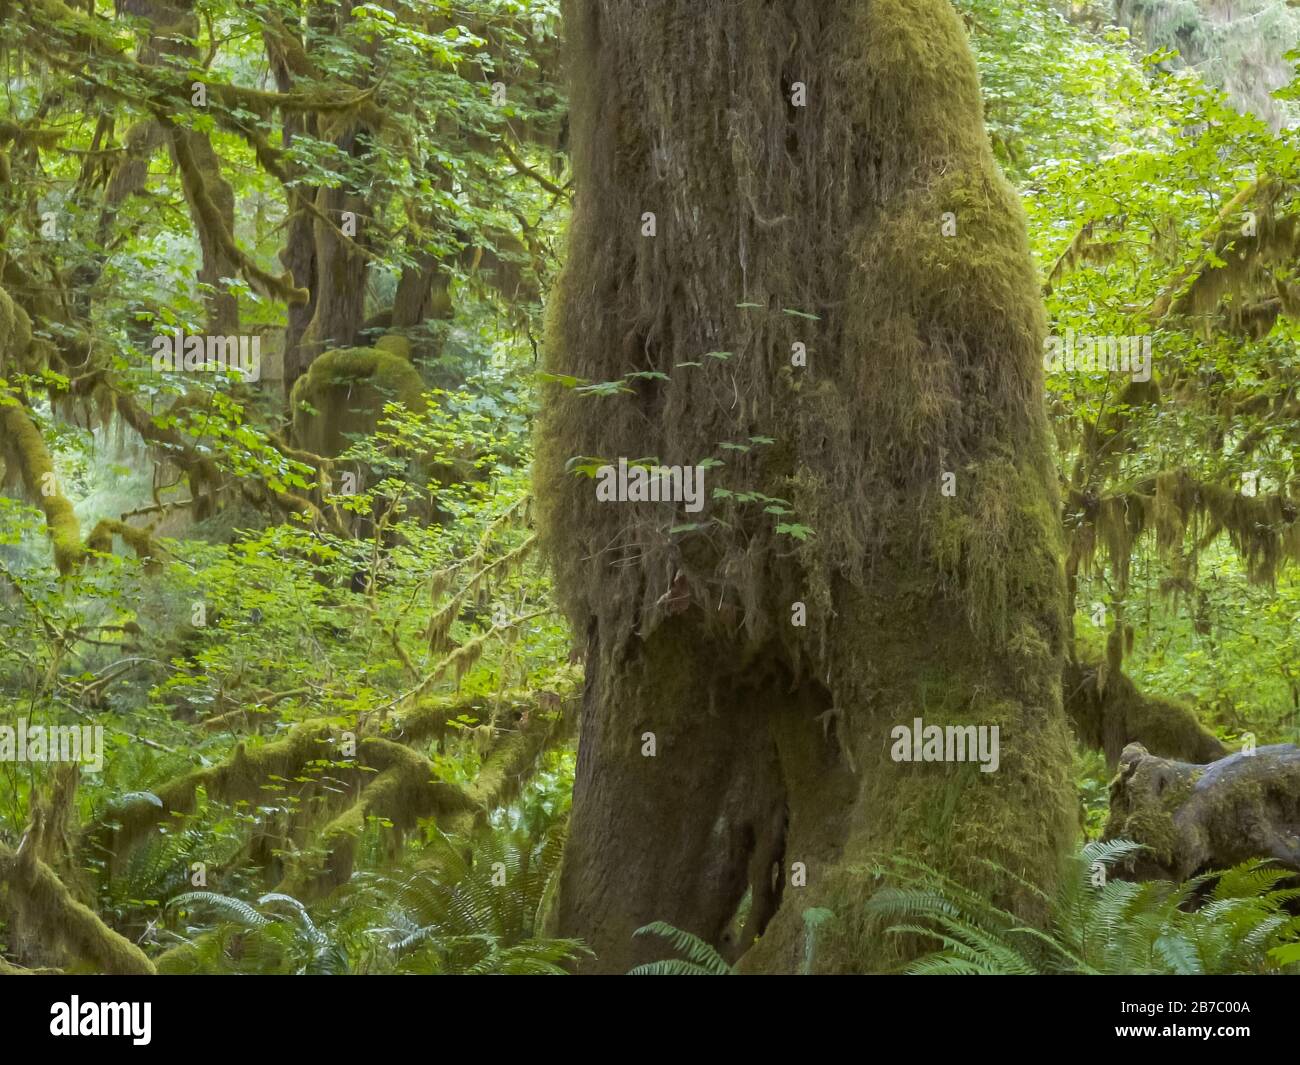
(829, 225)
(42, 908)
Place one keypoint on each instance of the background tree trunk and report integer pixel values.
(829, 225)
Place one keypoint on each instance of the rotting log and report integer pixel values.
(1193, 818)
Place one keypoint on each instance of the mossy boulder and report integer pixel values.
(345, 390)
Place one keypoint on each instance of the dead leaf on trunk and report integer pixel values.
(678, 596)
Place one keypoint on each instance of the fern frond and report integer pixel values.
(231, 909)
(697, 951)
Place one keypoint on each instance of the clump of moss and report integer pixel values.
(394, 344)
(346, 390)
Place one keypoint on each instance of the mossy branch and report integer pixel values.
(42, 903)
(1109, 713)
(1226, 254)
(209, 218)
(405, 790)
(27, 445)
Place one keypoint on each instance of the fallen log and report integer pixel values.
(1193, 818)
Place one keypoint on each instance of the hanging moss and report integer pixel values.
(214, 228)
(1186, 514)
(1239, 281)
(394, 782)
(1238, 48)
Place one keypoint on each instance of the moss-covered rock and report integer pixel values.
(346, 390)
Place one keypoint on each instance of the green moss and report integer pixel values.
(1192, 817)
(1108, 713)
(24, 441)
(347, 388)
(42, 906)
(394, 344)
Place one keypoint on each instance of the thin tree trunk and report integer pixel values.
(209, 195)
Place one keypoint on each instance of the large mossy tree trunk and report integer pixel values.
(866, 221)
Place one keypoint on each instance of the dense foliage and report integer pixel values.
(338, 698)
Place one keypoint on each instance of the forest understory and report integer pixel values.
(585, 486)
